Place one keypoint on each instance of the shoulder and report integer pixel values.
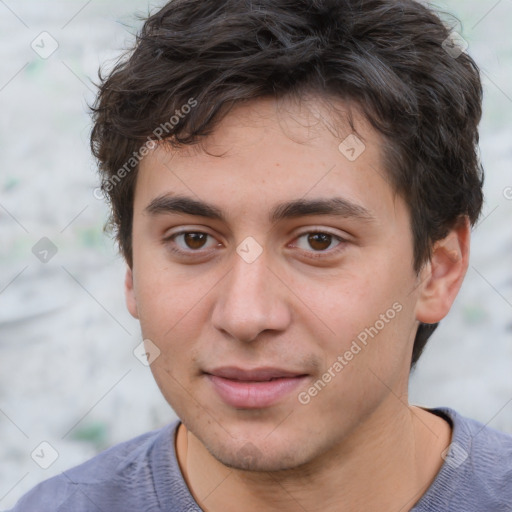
(487, 451)
(477, 469)
(107, 480)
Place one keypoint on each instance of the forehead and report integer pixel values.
(266, 152)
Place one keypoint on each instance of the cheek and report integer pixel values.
(369, 315)
(164, 293)
(174, 308)
(170, 318)
(167, 311)
(347, 303)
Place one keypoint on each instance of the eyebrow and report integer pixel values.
(336, 206)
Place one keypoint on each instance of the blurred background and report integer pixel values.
(68, 374)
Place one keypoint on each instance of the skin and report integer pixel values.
(358, 444)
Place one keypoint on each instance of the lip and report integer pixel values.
(253, 388)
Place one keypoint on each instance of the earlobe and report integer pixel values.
(442, 277)
(129, 291)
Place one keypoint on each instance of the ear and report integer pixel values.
(129, 292)
(441, 278)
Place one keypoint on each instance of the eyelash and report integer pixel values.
(328, 252)
(170, 241)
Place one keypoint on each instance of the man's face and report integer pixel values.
(319, 297)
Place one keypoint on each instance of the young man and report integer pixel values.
(293, 186)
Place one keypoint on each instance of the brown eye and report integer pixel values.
(191, 243)
(320, 244)
(195, 240)
(319, 241)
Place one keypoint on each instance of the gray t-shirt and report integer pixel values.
(143, 475)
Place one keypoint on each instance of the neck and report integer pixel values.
(387, 464)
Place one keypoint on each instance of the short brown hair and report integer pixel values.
(391, 58)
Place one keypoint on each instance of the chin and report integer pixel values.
(258, 455)
(250, 458)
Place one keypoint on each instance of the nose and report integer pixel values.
(250, 300)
